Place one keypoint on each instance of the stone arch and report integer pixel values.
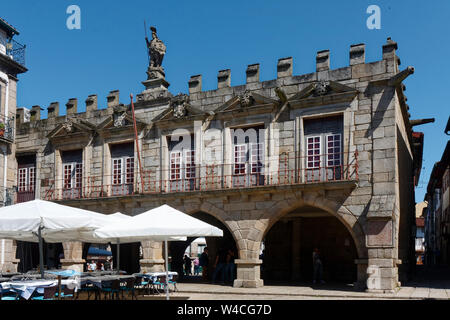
(318, 200)
(217, 213)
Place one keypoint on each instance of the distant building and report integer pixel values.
(420, 232)
(437, 219)
(12, 63)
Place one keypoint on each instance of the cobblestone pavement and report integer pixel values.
(426, 284)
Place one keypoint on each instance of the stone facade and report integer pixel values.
(370, 191)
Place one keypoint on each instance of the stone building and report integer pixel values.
(12, 63)
(321, 160)
(437, 213)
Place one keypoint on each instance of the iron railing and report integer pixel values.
(7, 196)
(16, 51)
(287, 171)
(7, 128)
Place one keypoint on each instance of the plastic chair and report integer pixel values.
(129, 287)
(114, 289)
(49, 294)
(10, 296)
(173, 281)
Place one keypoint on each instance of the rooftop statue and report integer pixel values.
(156, 49)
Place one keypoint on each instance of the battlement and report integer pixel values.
(357, 69)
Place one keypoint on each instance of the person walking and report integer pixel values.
(317, 266)
(230, 266)
(219, 266)
(187, 265)
(196, 266)
(204, 263)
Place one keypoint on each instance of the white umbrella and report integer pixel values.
(159, 224)
(38, 219)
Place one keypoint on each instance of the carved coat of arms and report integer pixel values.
(179, 106)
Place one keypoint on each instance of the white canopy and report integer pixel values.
(158, 224)
(58, 222)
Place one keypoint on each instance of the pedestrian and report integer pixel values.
(88, 266)
(107, 264)
(187, 265)
(93, 265)
(230, 266)
(204, 263)
(219, 266)
(317, 266)
(196, 266)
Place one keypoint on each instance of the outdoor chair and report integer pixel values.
(129, 288)
(160, 283)
(114, 289)
(66, 293)
(9, 295)
(49, 294)
(90, 288)
(173, 281)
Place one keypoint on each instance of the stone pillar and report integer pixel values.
(72, 106)
(252, 73)
(53, 110)
(153, 260)
(361, 274)
(224, 79)
(73, 256)
(10, 263)
(248, 273)
(323, 60)
(284, 67)
(296, 246)
(195, 84)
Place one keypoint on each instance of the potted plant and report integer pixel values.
(2, 129)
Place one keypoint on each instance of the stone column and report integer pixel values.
(73, 256)
(10, 247)
(153, 260)
(361, 274)
(248, 273)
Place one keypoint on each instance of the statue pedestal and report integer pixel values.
(158, 84)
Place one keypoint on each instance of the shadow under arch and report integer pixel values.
(214, 244)
(129, 256)
(344, 215)
(28, 254)
(297, 228)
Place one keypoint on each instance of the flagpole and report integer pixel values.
(167, 269)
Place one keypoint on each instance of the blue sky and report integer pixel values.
(202, 37)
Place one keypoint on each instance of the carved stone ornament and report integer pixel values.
(68, 126)
(321, 88)
(120, 120)
(179, 106)
(246, 99)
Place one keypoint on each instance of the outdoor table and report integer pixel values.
(101, 281)
(154, 275)
(28, 287)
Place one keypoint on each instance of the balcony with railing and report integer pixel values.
(7, 196)
(7, 129)
(13, 49)
(195, 178)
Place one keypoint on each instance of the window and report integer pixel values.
(240, 157)
(189, 160)
(313, 152)
(175, 165)
(73, 174)
(123, 170)
(333, 150)
(256, 154)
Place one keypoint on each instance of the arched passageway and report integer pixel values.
(288, 246)
(28, 254)
(129, 256)
(214, 244)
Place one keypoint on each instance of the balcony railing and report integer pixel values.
(6, 196)
(7, 128)
(16, 51)
(287, 171)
